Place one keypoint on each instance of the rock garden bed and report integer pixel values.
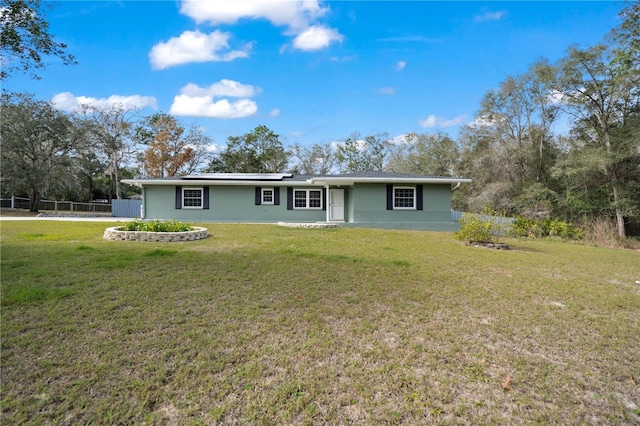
(115, 234)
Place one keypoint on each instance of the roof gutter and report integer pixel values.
(318, 181)
(209, 182)
(343, 181)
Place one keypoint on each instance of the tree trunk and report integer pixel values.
(614, 183)
(619, 217)
(116, 178)
(34, 200)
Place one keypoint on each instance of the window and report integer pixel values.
(307, 199)
(267, 195)
(404, 198)
(192, 198)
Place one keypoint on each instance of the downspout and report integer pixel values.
(456, 187)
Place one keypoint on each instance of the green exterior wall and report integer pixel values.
(226, 204)
(369, 209)
(365, 206)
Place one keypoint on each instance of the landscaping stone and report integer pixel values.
(115, 234)
(497, 246)
(309, 224)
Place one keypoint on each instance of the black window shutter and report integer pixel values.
(276, 196)
(389, 197)
(289, 198)
(419, 197)
(324, 198)
(178, 197)
(205, 198)
(258, 195)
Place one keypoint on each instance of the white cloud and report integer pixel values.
(387, 91)
(490, 16)
(295, 14)
(434, 121)
(222, 88)
(316, 37)
(300, 17)
(67, 101)
(196, 101)
(194, 46)
(274, 112)
(400, 65)
(212, 147)
(205, 106)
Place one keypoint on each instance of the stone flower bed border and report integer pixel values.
(309, 225)
(115, 234)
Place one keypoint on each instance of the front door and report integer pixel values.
(336, 204)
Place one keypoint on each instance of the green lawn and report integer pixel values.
(260, 324)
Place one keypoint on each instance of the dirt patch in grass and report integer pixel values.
(271, 325)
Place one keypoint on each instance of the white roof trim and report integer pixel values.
(316, 181)
(239, 176)
(350, 181)
(209, 182)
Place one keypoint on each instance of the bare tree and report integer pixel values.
(113, 126)
(314, 159)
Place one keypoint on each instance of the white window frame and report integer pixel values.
(413, 189)
(185, 206)
(273, 195)
(307, 198)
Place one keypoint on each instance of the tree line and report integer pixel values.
(559, 140)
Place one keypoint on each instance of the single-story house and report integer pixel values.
(365, 199)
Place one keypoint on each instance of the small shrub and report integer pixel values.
(540, 228)
(156, 226)
(487, 227)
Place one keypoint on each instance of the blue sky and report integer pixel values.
(313, 72)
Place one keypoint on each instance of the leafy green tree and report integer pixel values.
(39, 144)
(521, 113)
(426, 154)
(363, 155)
(25, 38)
(516, 148)
(259, 151)
(88, 168)
(483, 159)
(626, 37)
(602, 95)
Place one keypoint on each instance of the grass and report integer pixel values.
(261, 324)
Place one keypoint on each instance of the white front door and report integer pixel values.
(336, 204)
